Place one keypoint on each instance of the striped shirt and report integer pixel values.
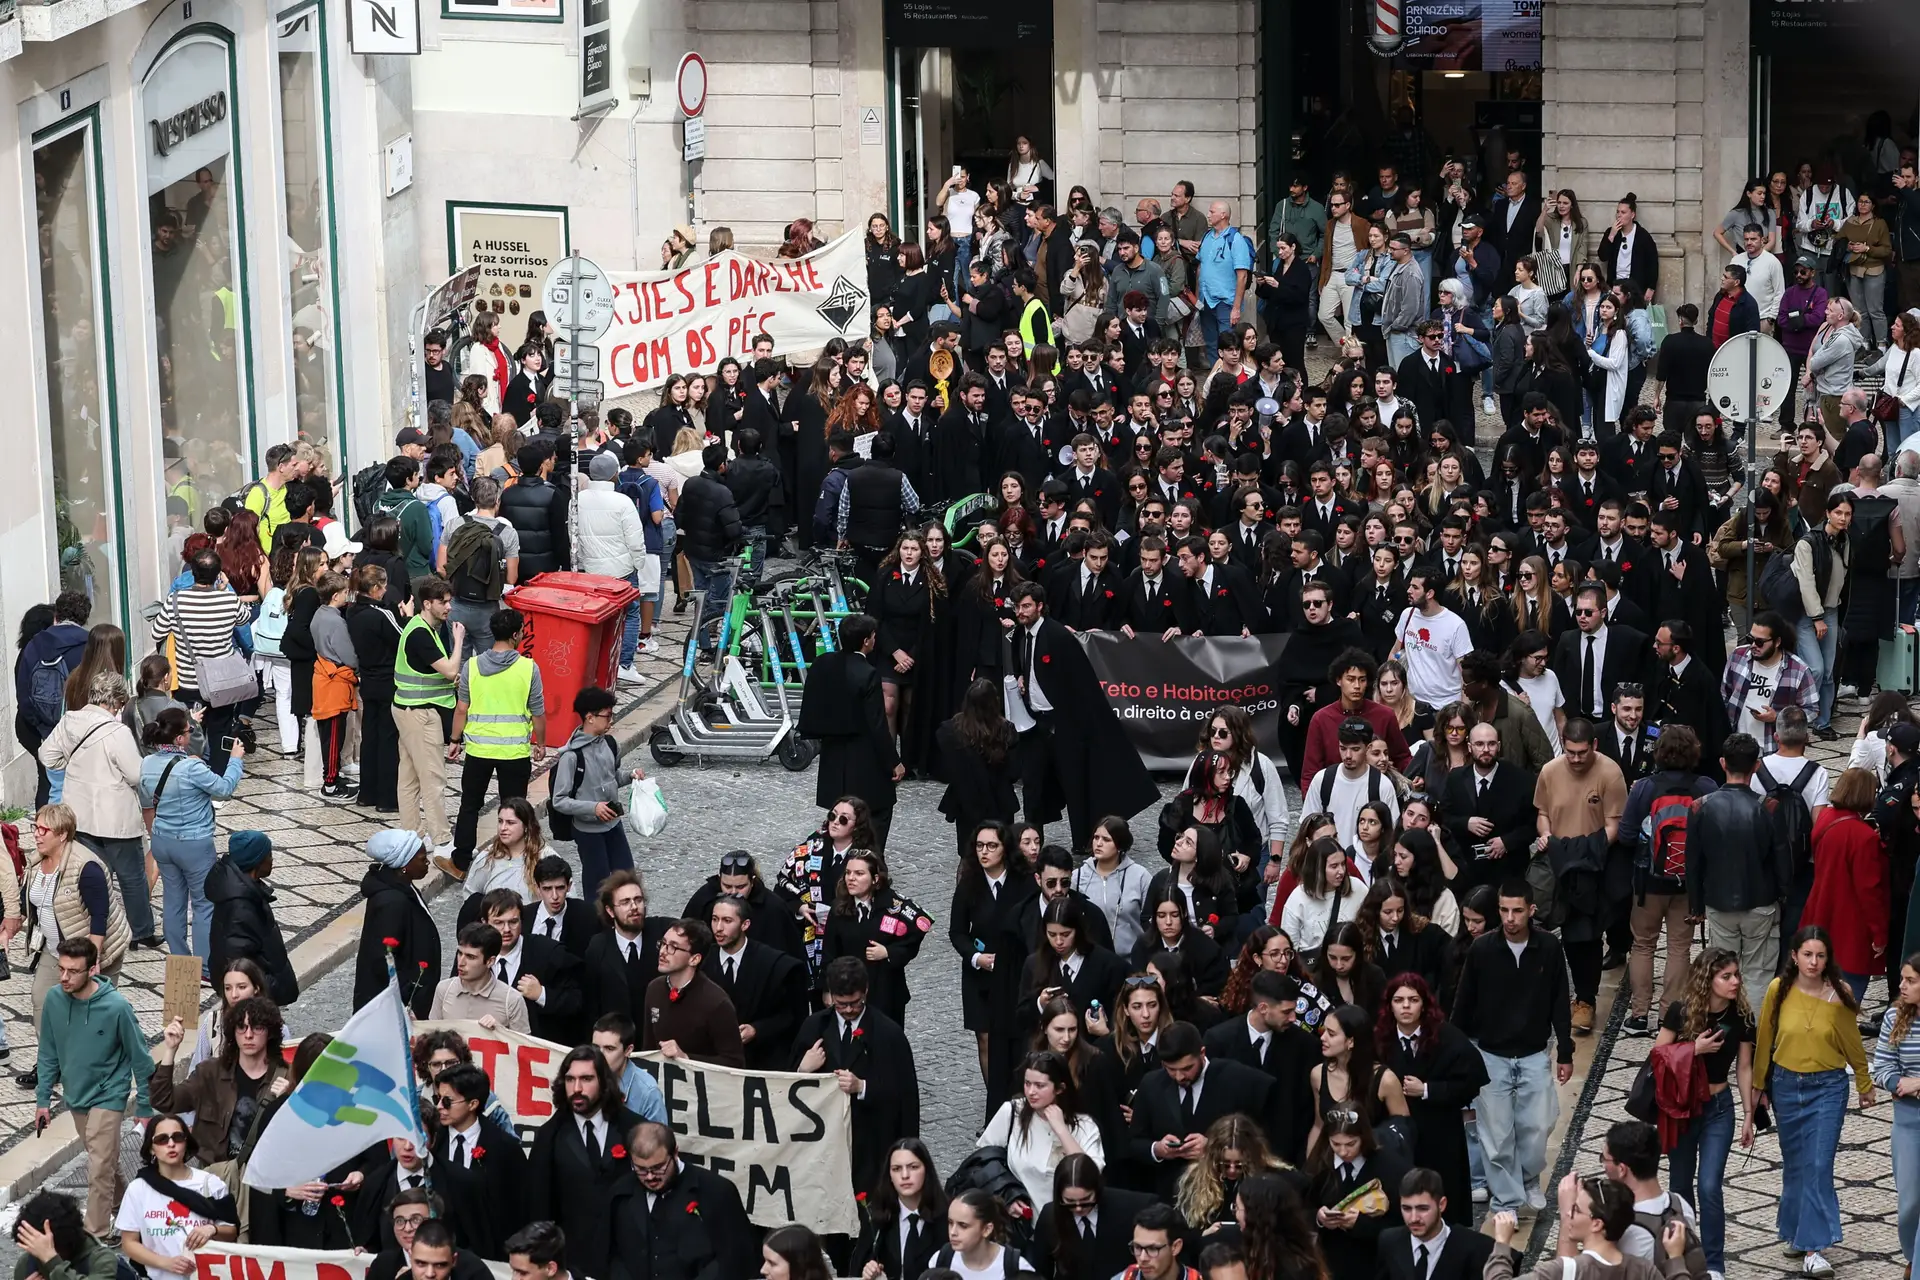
(201, 621)
(1892, 1062)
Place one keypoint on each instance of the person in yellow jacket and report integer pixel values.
(1036, 324)
(500, 723)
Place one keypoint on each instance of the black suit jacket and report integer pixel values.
(1234, 604)
(769, 994)
(1073, 607)
(912, 449)
(578, 924)
(486, 1200)
(611, 984)
(1101, 486)
(1463, 1258)
(1585, 507)
(562, 1017)
(1153, 614)
(1514, 242)
(1310, 517)
(570, 1185)
(670, 1241)
(1692, 699)
(1691, 598)
(1426, 388)
(1624, 660)
(1291, 1055)
(1016, 448)
(1111, 1250)
(1612, 746)
(879, 1241)
(1508, 805)
(1690, 490)
(883, 1057)
(1226, 1088)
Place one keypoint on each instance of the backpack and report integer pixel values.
(1010, 1262)
(271, 625)
(1664, 865)
(560, 825)
(474, 571)
(1326, 786)
(1780, 587)
(438, 523)
(1786, 807)
(1655, 1225)
(47, 694)
(368, 484)
(237, 502)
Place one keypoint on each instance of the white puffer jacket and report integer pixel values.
(610, 539)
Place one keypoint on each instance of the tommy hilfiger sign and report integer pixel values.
(183, 124)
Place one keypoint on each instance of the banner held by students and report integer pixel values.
(1165, 690)
(687, 320)
(782, 1139)
(219, 1261)
(359, 1092)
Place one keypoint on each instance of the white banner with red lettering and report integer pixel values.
(782, 1139)
(688, 321)
(217, 1261)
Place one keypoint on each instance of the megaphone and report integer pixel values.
(1268, 408)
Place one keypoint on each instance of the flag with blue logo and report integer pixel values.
(359, 1092)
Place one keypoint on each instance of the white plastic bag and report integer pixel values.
(646, 808)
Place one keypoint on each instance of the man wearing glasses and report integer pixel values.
(1346, 236)
(1306, 685)
(685, 1013)
(478, 1166)
(1157, 1232)
(673, 1218)
(1102, 1217)
(1594, 659)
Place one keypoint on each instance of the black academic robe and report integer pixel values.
(976, 790)
(578, 924)
(486, 1198)
(899, 927)
(1692, 598)
(1423, 952)
(394, 910)
(696, 1229)
(1231, 606)
(1291, 1056)
(770, 918)
(1107, 1255)
(1097, 976)
(879, 1241)
(1225, 1088)
(962, 448)
(882, 1056)
(1078, 757)
(1453, 1073)
(615, 984)
(844, 710)
(769, 994)
(568, 1184)
(562, 1015)
(1508, 804)
(1351, 1253)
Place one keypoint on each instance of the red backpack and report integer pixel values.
(1667, 840)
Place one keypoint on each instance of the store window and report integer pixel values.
(199, 278)
(306, 182)
(76, 365)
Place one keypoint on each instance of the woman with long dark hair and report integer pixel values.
(1144, 1014)
(1169, 927)
(1440, 1074)
(1199, 871)
(794, 1252)
(906, 1218)
(1068, 964)
(1063, 1030)
(1343, 970)
(1345, 1156)
(1276, 1231)
(808, 410)
(1808, 1040)
(977, 1235)
(977, 759)
(903, 600)
(1350, 1074)
(1044, 1125)
(986, 930)
(873, 922)
(1184, 1000)
(1420, 867)
(1714, 1015)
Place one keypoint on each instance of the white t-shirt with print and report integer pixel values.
(163, 1222)
(1433, 648)
(1760, 686)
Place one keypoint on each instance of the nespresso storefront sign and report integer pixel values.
(183, 124)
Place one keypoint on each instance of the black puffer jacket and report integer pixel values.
(243, 925)
(708, 519)
(755, 485)
(537, 509)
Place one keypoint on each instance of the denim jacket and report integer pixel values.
(185, 807)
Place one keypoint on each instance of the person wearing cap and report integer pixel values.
(1803, 310)
(243, 923)
(411, 442)
(1477, 265)
(677, 250)
(397, 921)
(610, 540)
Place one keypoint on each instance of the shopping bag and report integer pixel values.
(646, 808)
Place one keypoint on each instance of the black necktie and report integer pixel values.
(1186, 1107)
(1153, 588)
(503, 970)
(1390, 943)
(732, 967)
(913, 1231)
(993, 886)
(1348, 1176)
(460, 1149)
(1410, 1046)
(1486, 785)
(552, 927)
(1588, 682)
(1420, 1262)
(846, 1041)
(1086, 1230)
(864, 910)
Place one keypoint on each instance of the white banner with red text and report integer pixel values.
(782, 1139)
(218, 1261)
(688, 320)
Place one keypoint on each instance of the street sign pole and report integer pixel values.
(1749, 395)
(1753, 474)
(575, 327)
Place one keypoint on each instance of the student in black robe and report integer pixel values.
(844, 709)
(1441, 1073)
(984, 928)
(850, 1036)
(875, 925)
(977, 756)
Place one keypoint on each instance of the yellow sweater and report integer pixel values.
(1814, 1035)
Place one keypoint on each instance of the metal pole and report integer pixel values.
(573, 396)
(1753, 481)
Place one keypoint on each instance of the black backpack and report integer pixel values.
(368, 484)
(474, 563)
(1786, 807)
(560, 825)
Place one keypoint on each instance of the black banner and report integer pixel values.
(1872, 30)
(967, 24)
(1164, 690)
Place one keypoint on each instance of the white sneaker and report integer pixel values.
(1815, 1265)
(631, 676)
(1488, 406)
(444, 851)
(1846, 691)
(649, 646)
(1536, 1198)
(1480, 1195)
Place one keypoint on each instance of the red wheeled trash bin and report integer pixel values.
(574, 625)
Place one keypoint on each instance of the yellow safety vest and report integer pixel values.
(415, 688)
(498, 724)
(1036, 327)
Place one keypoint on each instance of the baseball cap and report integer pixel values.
(409, 435)
(338, 543)
(1473, 220)
(1904, 738)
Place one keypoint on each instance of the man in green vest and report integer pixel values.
(1036, 326)
(426, 669)
(500, 722)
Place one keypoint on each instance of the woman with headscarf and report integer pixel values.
(397, 923)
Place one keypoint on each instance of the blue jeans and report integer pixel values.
(1399, 347)
(1703, 1148)
(601, 854)
(1909, 599)
(1214, 318)
(1476, 1158)
(1514, 1113)
(1820, 655)
(1900, 433)
(184, 863)
(1906, 1170)
(757, 561)
(1857, 983)
(630, 633)
(715, 578)
(1809, 1108)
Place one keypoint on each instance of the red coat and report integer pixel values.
(1850, 889)
(1323, 737)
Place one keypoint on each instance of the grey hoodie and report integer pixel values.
(330, 638)
(602, 783)
(492, 663)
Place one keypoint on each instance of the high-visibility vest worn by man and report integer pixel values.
(495, 688)
(416, 688)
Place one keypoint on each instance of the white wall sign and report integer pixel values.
(872, 133)
(383, 26)
(399, 154)
(696, 139)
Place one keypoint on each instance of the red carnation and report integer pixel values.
(389, 942)
(673, 995)
(859, 1032)
(338, 1202)
(618, 1152)
(1626, 567)
(1109, 595)
(896, 577)
(861, 1196)
(693, 1207)
(1046, 657)
(1213, 919)
(423, 964)
(479, 1153)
